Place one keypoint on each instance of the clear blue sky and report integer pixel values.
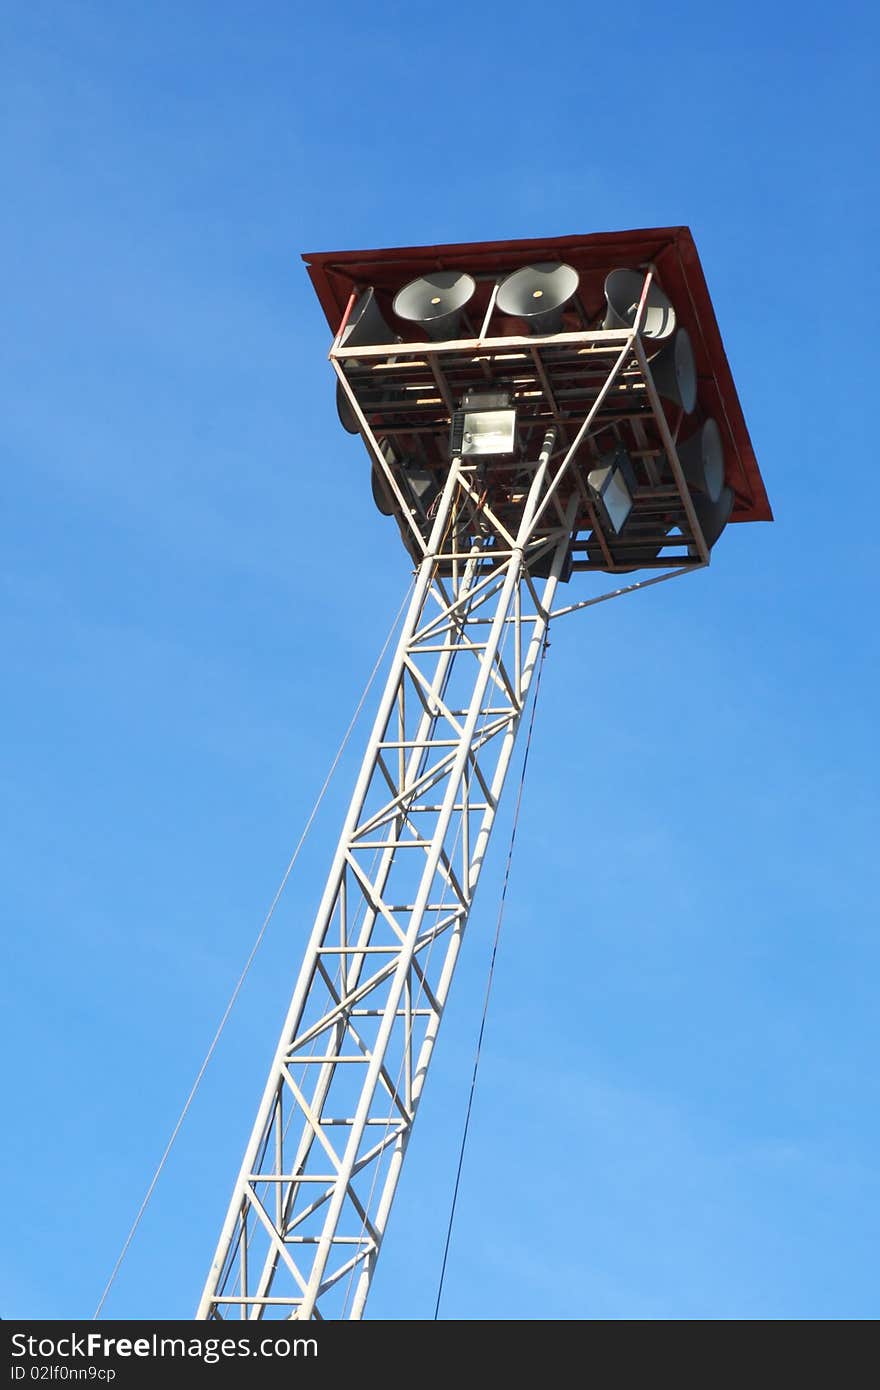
(677, 1111)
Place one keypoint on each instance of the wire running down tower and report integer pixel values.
(539, 410)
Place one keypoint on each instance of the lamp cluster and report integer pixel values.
(479, 365)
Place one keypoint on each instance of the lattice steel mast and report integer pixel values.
(492, 541)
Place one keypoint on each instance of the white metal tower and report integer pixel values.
(492, 534)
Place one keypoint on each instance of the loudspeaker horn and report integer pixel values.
(371, 401)
(675, 371)
(538, 294)
(623, 290)
(382, 494)
(379, 494)
(365, 323)
(365, 326)
(713, 516)
(702, 461)
(347, 418)
(435, 301)
(632, 556)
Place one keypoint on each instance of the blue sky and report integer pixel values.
(676, 1114)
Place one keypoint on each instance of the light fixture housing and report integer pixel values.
(485, 424)
(612, 485)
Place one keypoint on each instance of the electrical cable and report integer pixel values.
(249, 962)
(467, 1118)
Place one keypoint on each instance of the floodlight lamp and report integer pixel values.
(612, 485)
(485, 424)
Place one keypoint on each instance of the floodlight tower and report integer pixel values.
(533, 411)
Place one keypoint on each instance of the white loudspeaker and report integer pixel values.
(623, 290)
(538, 294)
(365, 323)
(365, 327)
(435, 302)
(675, 371)
(713, 516)
(702, 461)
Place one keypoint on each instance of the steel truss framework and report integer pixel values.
(312, 1201)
